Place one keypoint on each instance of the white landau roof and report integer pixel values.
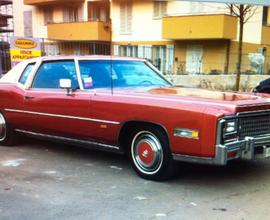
(14, 74)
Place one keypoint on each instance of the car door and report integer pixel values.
(97, 79)
(48, 109)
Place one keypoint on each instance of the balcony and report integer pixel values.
(83, 31)
(199, 27)
(47, 2)
(266, 35)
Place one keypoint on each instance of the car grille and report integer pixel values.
(254, 125)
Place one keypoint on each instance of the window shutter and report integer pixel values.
(160, 8)
(169, 58)
(122, 17)
(126, 16)
(129, 17)
(116, 50)
(163, 8)
(65, 15)
(148, 52)
(141, 51)
(28, 25)
(48, 16)
(156, 9)
(162, 57)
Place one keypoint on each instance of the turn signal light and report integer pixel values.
(232, 154)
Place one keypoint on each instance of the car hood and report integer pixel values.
(223, 102)
(203, 94)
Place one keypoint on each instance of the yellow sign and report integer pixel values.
(19, 55)
(22, 48)
(25, 43)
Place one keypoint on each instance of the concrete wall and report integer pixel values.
(217, 82)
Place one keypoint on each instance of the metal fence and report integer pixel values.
(164, 58)
(54, 47)
(216, 64)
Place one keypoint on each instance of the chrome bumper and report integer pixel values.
(248, 149)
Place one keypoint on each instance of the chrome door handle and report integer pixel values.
(28, 97)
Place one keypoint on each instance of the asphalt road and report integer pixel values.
(42, 180)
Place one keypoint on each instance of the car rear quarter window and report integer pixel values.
(50, 73)
(25, 74)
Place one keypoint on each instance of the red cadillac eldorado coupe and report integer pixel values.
(126, 106)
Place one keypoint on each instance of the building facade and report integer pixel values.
(176, 36)
(6, 30)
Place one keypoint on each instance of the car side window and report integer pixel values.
(50, 73)
(99, 71)
(25, 74)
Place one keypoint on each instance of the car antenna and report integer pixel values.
(111, 64)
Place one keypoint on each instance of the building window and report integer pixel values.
(28, 26)
(48, 16)
(128, 51)
(98, 11)
(160, 9)
(266, 15)
(71, 14)
(160, 56)
(126, 17)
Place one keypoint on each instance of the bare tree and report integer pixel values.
(244, 13)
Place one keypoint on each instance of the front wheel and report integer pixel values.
(150, 154)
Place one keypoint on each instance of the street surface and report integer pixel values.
(43, 180)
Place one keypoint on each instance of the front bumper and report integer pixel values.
(248, 149)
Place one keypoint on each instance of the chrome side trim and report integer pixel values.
(193, 159)
(63, 116)
(67, 139)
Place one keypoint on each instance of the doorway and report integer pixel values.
(194, 59)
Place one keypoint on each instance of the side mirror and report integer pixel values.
(66, 84)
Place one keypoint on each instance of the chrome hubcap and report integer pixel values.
(147, 152)
(2, 128)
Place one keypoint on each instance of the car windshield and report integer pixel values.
(105, 73)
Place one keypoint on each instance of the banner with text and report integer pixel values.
(22, 48)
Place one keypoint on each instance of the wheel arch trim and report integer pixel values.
(123, 124)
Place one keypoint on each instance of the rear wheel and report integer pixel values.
(150, 154)
(6, 134)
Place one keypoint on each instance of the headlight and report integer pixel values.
(231, 127)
